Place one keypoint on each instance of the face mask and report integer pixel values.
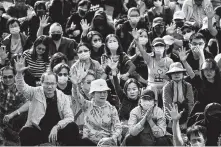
(157, 4)
(84, 56)
(159, 31)
(56, 37)
(159, 50)
(187, 36)
(113, 45)
(98, 44)
(179, 24)
(82, 12)
(15, 30)
(143, 40)
(146, 105)
(134, 20)
(62, 80)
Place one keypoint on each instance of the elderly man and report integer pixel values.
(50, 117)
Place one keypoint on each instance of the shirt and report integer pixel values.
(198, 14)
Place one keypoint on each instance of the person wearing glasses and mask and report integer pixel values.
(50, 118)
(57, 43)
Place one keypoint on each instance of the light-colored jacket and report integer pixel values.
(37, 107)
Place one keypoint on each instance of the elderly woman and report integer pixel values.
(102, 125)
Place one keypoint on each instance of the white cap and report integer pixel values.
(169, 40)
(178, 15)
(98, 85)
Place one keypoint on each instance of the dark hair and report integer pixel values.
(39, 4)
(120, 48)
(91, 34)
(48, 73)
(8, 67)
(38, 41)
(83, 44)
(59, 67)
(11, 21)
(196, 130)
(84, 2)
(57, 58)
(197, 36)
(128, 82)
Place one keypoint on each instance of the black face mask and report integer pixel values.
(179, 24)
(56, 37)
(159, 31)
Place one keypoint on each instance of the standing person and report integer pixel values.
(50, 117)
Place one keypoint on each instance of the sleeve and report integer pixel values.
(185, 10)
(134, 126)
(116, 124)
(68, 28)
(118, 89)
(167, 99)
(190, 97)
(196, 82)
(127, 62)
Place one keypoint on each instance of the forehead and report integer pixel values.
(96, 37)
(112, 38)
(14, 24)
(55, 28)
(7, 72)
(89, 77)
(41, 45)
(82, 48)
(197, 40)
(63, 70)
(196, 136)
(132, 85)
(134, 13)
(49, 78)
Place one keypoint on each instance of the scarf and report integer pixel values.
(178, 92)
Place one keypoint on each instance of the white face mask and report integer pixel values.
(159, 50)
(62, 80)
(84, 55)
(14, 30)
(97, 44)
(187, 36)
(143, 40)
(134, 19)
(157, 3)
(113, 45)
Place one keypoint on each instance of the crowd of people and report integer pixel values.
(110, 72)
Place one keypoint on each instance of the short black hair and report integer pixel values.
(56, 59)
(197, 36)
(11, 21)
(196, 130)
(83, 44)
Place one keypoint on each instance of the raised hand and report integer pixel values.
(135, 34)
(7, 118)
(84, 25)
(175, 115)
(183, 54)
(44, 21)
(80, 74)
(20, 65)
(112, 64)
(209, 12)
(3, 54)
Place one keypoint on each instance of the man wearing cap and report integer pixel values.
(158, 29)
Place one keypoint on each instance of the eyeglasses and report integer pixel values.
(195, 44)
(40, 48)
(187, 31)
(49, 83)
(8, 77)
(85, 51)
(64, 74)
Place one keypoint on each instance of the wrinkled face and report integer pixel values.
(40, 49)
(49, 84)
(197, 140)
(100, 96)
(209, 73)
(8, 77)
(86, 84)
(177, 76)
(132, 91)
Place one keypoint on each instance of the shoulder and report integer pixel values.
(158, 111)
(135, 110)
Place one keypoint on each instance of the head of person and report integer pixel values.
(179, 19)
(40, 49)
(158, 26)
(218, 61)
(197, 40)
(132, 89)
(143, 39)
(112, 43)
(147, 99)
(187, 30)
(210, 70)
(56, 31)
(157, 3)
(133, 15)
(159, 47)
(49, 82)
(86, 82)
(83, 51)
(212, 113)
(196, 135)
(2, 9)
(176, 72)
(62, 71)
(8, 75)
(99, 21)
(217, 13)
(95, 39)
(56, 59)
(83, 7)
(13, 26)
(40, 8)
(19, 3)
(99, 91)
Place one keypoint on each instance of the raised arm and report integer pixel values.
(43, 23)
(210, 15)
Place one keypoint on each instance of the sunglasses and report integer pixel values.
(85, 51)
(62, 74)
(8, 77)
(187, 31)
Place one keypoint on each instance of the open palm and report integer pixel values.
(175, 115)
(20, 65)
(183, 54)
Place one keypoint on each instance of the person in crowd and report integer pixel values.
(3, 22)
(175, 5)
(56, 59)
(73, 26)
(62, 71)
(178, 91)
(108, 130)
(158, 64)
(84, 53)
(53, 117)
(158, 29)
(114, 51)
(37, 58)
(16, 42)
(207, 85)
(147, 123)
(135, 55)
(194, 10)
(160, 10)
(196, 134)
(10, 101)
(57, 43)
(187, 30)
(59, 11)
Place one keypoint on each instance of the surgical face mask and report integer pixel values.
(56, 37)
(84, 55)
(63, 79)
(98, 44)
(157, 3)
(14, 30)
(147, 105)
(113, 45)
(159, 50)
(143, 40)
(187, 36)
(134, 20)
